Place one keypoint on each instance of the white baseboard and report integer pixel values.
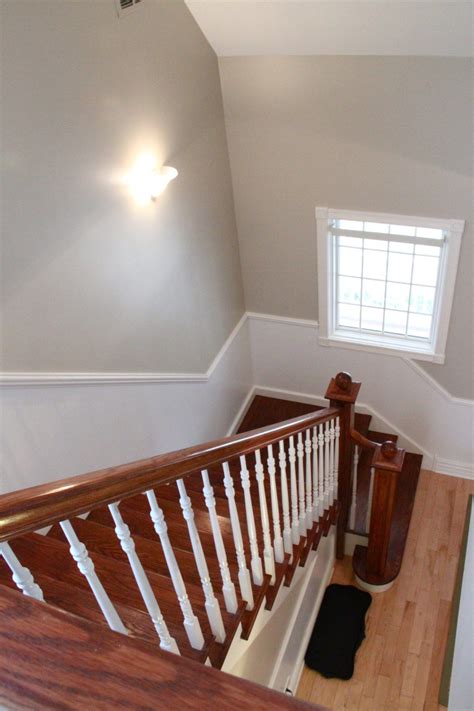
(237, 421)
(452, 468)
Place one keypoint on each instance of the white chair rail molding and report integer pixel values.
(386, 281)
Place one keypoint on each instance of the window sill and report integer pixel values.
(339, 341)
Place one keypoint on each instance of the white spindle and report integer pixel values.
(277, 538)
(191, 622)
(315, 475)
(355, 464)
(327, 465)
(300, 455)
(295, 524)
(245, 583)
(369, 500)
(285, 503)
(255, 562)
(268, 555)
(309, 482)
(211, 604)
(336, 458)
(128, 546)
(228, 587)
(86, 566)
(332, 437)
(22, 576)
(321, 469)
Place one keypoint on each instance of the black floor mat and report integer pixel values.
(338, 632)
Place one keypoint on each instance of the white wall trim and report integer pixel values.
(307, 323)
(451, 467)
(51, 378)
(242, 412)
(227, 344)
(38, 378)
(22, 379)
(319, 400)
(436, 424)
(437, 386)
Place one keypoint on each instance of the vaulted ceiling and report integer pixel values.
(354, 27)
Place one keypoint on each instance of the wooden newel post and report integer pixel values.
(387, 463)
(342, 393)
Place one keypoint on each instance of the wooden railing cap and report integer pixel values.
(343, 389)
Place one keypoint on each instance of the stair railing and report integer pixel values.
(320, 481)
(371, 563)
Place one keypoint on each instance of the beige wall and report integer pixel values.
(90, 281)
(386, 134)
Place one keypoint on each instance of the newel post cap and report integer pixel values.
(389, 457)
(342, 388)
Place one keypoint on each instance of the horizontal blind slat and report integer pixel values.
(380, 236)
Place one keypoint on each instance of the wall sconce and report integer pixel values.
(147, 182)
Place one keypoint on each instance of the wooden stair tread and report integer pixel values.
(141, 525)
(102, 539)
(82, 603)
(264, 411)
(45, 554)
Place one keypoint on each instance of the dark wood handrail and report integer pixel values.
(30, 509)
(362, 441)
(52, 659)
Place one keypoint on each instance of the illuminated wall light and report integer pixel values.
(147, 182)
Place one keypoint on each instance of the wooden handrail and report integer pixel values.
(33, 508)
(362, 441)
(87, 666)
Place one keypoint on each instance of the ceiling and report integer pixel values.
(355, 27)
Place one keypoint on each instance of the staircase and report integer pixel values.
(268, 411)
(186, 549)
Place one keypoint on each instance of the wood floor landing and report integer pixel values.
(398, 667)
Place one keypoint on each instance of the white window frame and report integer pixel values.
(435, 349)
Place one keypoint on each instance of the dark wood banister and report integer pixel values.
(50, 659)
(371, 563)
(38, 506)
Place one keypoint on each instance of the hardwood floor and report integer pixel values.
(398, 667)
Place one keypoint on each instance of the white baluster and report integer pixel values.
(352, 514)
(300, 455)
(245, 583)
(22, 576)
(228, 587)
(86, 566)
(315, 475)
(268, 556)
(309, 482)
(277, 539)
(191, 622)
(211, 604)
(369, 501)
(255, 563)
(295, 524)
(336, 458)
(327, 465)
(285, 503)
(128, 546)
(332, 437)
(321, 469)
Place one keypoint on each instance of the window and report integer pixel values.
(386, 281)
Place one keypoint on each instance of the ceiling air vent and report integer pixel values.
(124, 7)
